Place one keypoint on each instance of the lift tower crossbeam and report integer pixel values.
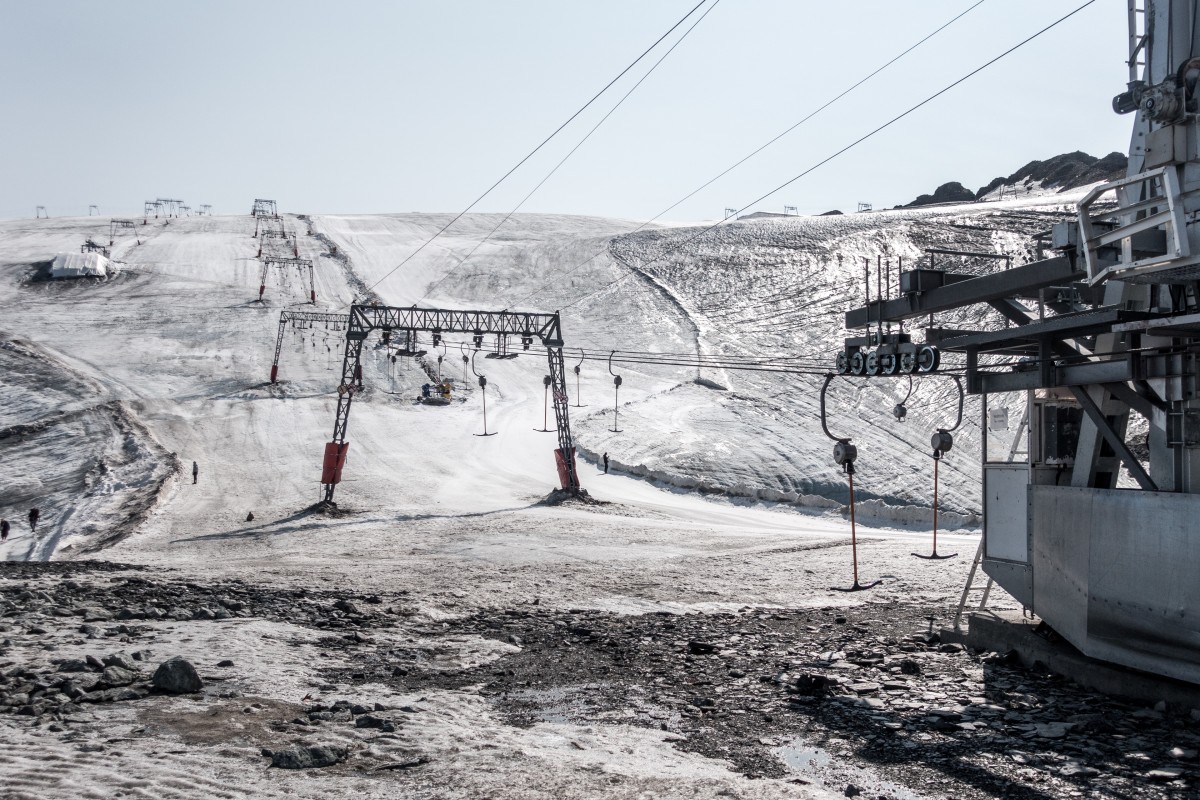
(365, 319)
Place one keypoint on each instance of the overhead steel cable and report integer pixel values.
(564, 159)
(535, 150)
(847, 148)
(775, 139)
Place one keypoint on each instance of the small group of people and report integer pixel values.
(34, 515)
(442, 389)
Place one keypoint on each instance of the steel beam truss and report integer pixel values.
(365, 319)
(286, 317)
(264, 208)
(303, 265)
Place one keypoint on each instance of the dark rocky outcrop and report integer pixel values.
(952, 192)
(1062, 172)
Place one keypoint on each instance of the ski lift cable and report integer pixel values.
(535, 150)
(776, 138)
(852, 145)
(564, 159)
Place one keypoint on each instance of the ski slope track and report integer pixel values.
(716, 499)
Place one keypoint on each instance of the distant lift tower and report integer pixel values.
(169, 205)
(303, 265)
(365, 319)
(115, 225)
(151, 206)
(263, 223)
(284, 237)
(264, 208)
(1097, 532)
(41, 213)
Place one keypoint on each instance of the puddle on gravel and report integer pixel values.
(816, 764)
(802, 758)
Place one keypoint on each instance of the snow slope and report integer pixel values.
(178, 340)
(111, 388)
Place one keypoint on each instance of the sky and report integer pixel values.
(400, 106)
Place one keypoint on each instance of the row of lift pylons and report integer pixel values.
(893, 355)
(278, 248)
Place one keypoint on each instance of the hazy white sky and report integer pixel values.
(395, 106)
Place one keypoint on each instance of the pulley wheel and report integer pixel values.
(842, 363)
(888, 364)
(858, 363)
(928, 358)
(872, 363)
(908, 363)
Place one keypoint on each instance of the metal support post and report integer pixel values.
(351, 368)
(568, 472)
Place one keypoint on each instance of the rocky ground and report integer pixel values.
(864, 701)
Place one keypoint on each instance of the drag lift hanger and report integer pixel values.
(546, 382)
(578, 392)
(483, 394)
(367, 318)
(941, 442)
(616, 393)
(844, 455)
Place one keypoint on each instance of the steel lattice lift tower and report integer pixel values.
(366, 319)
(264, 208)
(303, 265)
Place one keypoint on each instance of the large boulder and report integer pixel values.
(325, 755)
(177, 676)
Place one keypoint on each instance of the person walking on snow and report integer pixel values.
(33, 518)
(606, 463)
(3, 530)
(195, 471)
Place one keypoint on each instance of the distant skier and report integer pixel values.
(606, 463)
(4, 530)
(33, 518)
(195, 472)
